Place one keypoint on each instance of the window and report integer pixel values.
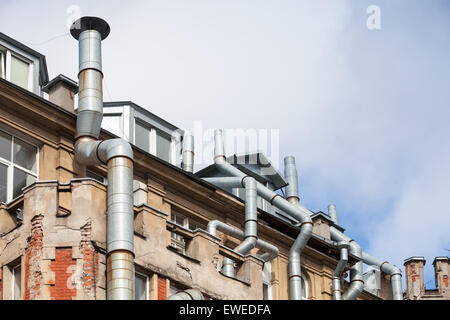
(113, 123)
(141, 285)
(20, 72)
(17, 283)
(96, 176)
(2, 65)
(142, 137)
(267, 281)
(18, 166)
(178, 240)
(154, 142)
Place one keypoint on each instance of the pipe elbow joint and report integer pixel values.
(113, 148)
(212, 227)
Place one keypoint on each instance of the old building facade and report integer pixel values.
(53, 210)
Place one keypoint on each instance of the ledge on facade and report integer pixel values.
(169, 247)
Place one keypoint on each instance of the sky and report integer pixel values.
(364, 111)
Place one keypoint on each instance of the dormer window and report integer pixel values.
(16, 69)
(154, 141)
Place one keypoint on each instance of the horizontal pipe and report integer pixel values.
(393, 271)
(270, 251)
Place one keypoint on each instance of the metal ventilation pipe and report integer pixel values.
(297, 212)
(393, 271)
(332, 213)
(290, 173)
(270, 251)
(116, 153)
(337, 274)
(190, 294)
(188, 153)
(356, 271)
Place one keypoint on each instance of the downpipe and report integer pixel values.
(117, 154)
(337, 274)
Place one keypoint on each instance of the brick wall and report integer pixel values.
(162, 288)
(64, 267)
(33, 253)
(89, 276)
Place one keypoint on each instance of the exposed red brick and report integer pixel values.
(33, 252)
(445, 279)
(89, 276)
(162, 288)
(63, 267)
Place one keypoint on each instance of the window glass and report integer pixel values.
(25, 154)
(21, 180)
(2, 65)
(140, 287)
(163, 146)
(3, 182)
(17, 278)
(19, 72)
(113, 123)
(5, 146)
(142, 137)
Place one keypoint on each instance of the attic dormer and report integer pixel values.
(22, 65)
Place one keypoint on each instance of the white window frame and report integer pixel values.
(11, 165)
(9, 55)
(13, 280)
(2, 62)
(147, 284)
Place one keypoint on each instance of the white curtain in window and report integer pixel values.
(19, 72)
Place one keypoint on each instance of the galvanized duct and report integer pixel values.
(393, 271)
(188, 153)
(190, 294)
(356, 271)
(332, 213)
(270, 251)
(290, 173)
(116, 153)
(297, 212)
(337, 274)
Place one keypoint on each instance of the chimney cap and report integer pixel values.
(440, 259)
(415, 258)
(90, 23)
(60, 78)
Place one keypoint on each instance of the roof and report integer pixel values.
(57, 79)
(43, 71)
(254, 164)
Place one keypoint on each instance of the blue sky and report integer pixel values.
(365, 112)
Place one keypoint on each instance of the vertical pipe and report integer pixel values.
(116, 153)
(188, 153)
(337, 274)
(290, 173)
(332, 213)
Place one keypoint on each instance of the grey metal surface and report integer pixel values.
(337, 274)
(393, 271)
(332, 213)
(188, 153)
(116, 153)
(298, 212)
(190, 294)
(356, 271)
(290, 174)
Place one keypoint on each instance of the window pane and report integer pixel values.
(163, 144)
(140, 284)
(19, 72)
(17, 283)
(5, 146)
(3, 182)
(21, 180)
(142, 137)
(113, 123)
(25, 155)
